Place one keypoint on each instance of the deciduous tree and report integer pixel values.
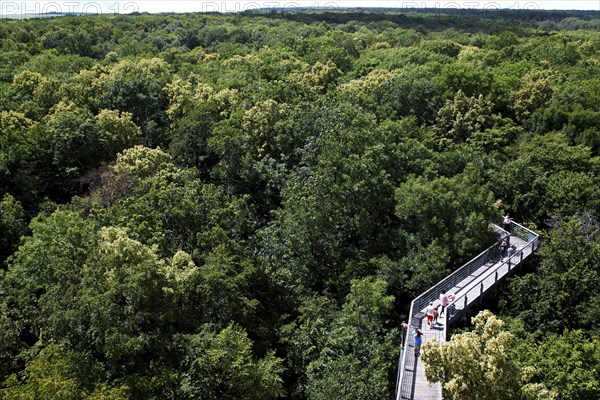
(477, 364)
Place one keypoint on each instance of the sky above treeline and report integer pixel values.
(8, 8)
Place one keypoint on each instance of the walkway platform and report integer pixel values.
(468, 285)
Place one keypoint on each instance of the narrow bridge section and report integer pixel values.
(468, 284)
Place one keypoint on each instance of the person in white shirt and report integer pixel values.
(507, 223)
(429, 314)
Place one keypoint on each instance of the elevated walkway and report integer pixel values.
(468, 284)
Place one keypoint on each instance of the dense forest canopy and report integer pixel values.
(242, 206)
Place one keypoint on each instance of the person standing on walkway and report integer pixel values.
(507, 223)
(429, 314)
(418, 341)
(511, 251)
(503, 248)
(443, 302)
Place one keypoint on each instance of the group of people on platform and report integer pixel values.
(432, 315)
(431, 312)
(506, 250)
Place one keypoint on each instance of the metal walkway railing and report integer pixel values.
(469, 283)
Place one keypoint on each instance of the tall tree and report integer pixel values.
(477, 364)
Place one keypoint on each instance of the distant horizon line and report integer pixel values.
(318, 8)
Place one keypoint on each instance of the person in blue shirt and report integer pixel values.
(418, 341)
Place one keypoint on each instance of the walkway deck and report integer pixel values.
(468, 284)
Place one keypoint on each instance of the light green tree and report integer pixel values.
(117, 130)
(137, 86)
(535, 92)
(125, 302)
(461, 117)
(259, 123)
(320, 77)
(59, 374)
(35, 93)
(478, 365)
